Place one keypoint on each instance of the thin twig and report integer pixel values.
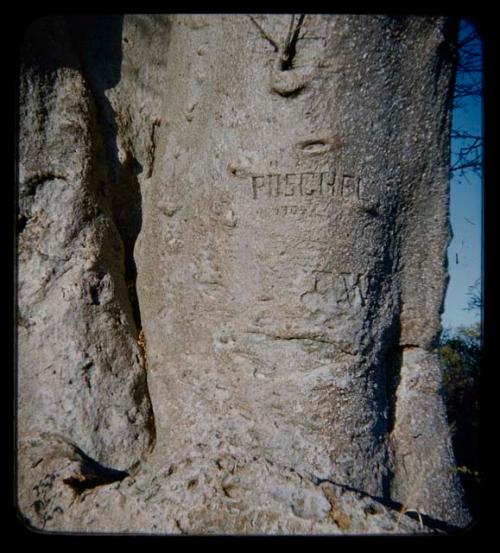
(264, 34)
(290, 45)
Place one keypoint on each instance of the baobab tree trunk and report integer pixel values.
(293, 181)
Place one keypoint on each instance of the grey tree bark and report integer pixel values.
(276, 188)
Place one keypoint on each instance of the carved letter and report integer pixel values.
(330, 183)
(273, 188)
(290, 184)
(309, 179)
(348, 186)
(256, 186)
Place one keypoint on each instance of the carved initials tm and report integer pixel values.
(356, 286)
(348, 288)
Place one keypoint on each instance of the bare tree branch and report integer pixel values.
(467, 148)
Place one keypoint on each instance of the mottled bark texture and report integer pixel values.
(260, 203)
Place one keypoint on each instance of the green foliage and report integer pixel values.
(461, 354)
(475, 297)
(461, 360)
(466, 470)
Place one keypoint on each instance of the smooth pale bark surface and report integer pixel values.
(292, 207)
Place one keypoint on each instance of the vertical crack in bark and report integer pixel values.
(121, 178)
(394, 360)
(118, 179)
(127, 210)
(392, 377)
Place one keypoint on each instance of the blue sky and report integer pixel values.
(465, 249)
